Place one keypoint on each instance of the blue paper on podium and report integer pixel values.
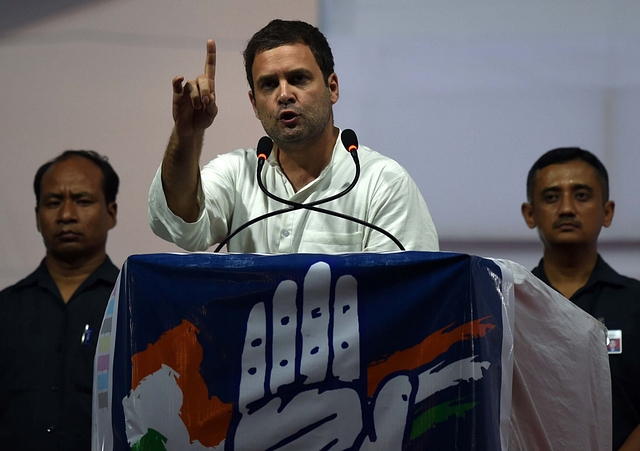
(397, 351)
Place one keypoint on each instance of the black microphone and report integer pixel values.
(265, 146)
(350, 142)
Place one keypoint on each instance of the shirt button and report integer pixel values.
(54, 388)
(285, 233)
(51, 429)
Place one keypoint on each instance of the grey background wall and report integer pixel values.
(465, 95)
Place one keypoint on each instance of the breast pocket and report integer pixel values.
(82, 369)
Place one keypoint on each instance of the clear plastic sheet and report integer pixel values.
(561, 396)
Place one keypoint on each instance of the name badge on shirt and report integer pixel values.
(614, 341)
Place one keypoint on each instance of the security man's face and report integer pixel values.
(568, 207)
(72, 215)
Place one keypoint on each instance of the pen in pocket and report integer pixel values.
(86, 335)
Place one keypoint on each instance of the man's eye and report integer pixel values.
(298, 79)
(549, 198)
(51, 203)
(582, 196)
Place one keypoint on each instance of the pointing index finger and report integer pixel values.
(210, 61)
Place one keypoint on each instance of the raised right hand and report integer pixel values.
(194, 104)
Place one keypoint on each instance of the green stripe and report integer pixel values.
(151, 441)
(439, 414)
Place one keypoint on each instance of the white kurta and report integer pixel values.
(385, 195)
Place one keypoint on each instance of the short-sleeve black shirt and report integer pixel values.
(46, 369)
(615, 300)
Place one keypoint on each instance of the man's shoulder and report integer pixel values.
(8, 291)
(231, 165)
(538, 271)
(372, 160)
(605, 272)
(237, 155)
(630, 283)
(30, 280)
(626, 289)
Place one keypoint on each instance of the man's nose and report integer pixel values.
(285, 95)
(68, 211)
(567, 204)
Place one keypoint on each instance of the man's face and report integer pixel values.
(72, 215)
(567, 206)
(290, 96)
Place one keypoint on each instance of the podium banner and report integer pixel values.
(395, 351)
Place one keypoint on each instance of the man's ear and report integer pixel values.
(253, 103)
(527, 214)
(332, 84)
(112, 212)
(37, 220)
(609, 209)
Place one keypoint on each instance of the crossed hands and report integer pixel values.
(194, 103)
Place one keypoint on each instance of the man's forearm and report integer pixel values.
(180, 174)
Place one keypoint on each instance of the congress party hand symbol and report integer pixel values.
(320, 357)
(301, 385)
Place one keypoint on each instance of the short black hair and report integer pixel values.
(288, 32)
(110, 180)
(563, 155)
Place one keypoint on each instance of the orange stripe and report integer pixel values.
(207, 420)
(424, 352)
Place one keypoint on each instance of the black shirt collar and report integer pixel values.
(107, 272)
(602, 273)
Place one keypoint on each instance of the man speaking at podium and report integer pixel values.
(293, 87)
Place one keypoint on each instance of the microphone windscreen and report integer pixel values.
(265, 145)
(349, 140)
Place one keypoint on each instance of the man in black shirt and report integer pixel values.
(568, 202)
(49, 322)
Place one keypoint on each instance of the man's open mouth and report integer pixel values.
(288, 116)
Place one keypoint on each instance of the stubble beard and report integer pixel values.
(314, 121)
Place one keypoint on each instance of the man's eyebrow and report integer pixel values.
(573, 187)
(299, 70)
(578, 186)
(86, 195)
(288, 73)
(57, 195)
(264, 77)
(51, 194)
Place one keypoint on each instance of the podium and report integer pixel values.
(393, 351)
